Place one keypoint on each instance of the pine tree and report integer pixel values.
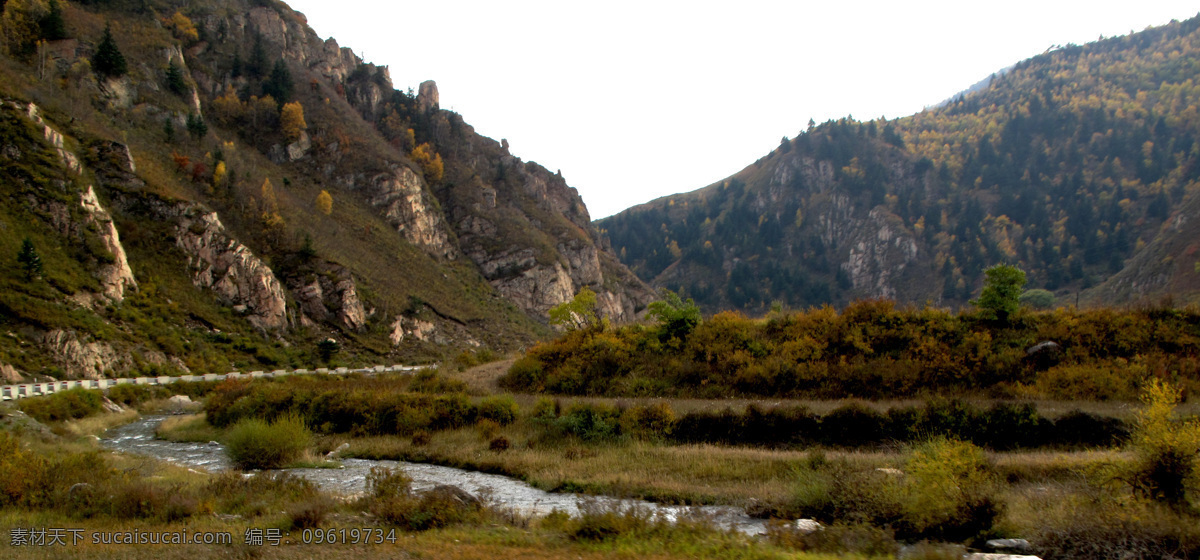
(196, 126)
(108, 62)
(52, 24)
(279, 85)
(29, 259)
(175, 81)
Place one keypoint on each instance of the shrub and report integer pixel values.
(65, 405)
(599, 521)
(653, 421)
(590, 422)
(254, 444)
(1165, 448)
(500, 409)
(949, 491)
(851, 425)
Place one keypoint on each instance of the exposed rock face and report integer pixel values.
(330, 295)
(401, 196)
(115, 276)
(224, 265)
(531, 235)
(298, 149)
(83, 360)
(55, 138)
(427, 97)
(413, 328)
(9, 374)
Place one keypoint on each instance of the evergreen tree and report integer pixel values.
(279, 85)
(52, 24)
(196, 126)
(108, 62)
(29, 259)
(175, 81)
(257, 65)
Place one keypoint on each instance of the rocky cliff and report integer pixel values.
(245, 192)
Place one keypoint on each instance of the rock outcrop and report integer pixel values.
(329, 294)
(400, 195)
(226, 266)
(9, 374)
(83, 360)
(114, 273)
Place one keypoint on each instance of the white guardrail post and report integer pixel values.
(23, 390)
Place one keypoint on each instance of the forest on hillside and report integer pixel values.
(1067, 165)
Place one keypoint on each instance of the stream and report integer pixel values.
(138, 438)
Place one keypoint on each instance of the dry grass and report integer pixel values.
(189, 427)
(96, 425)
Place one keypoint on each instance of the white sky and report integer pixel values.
(636, 100)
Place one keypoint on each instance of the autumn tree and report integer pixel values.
(430, 162)
(325, 202)
(262, 111)
(219, 174)
(291, 120)
(182, 28)
(108, 62)
(21, 25)
(228, 108)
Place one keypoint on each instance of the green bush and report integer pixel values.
(253, 443)
(949, 491)
(500, 409)
(64, 405)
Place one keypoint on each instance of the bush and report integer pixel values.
(950, 491)
(65, 405)
(254, 444)
(392, 500)
(499, 409)
(590, 422)
(1165, 448)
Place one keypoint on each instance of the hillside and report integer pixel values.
(210, 185)
(1079, 165)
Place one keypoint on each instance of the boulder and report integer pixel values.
(1009, 545)
(455, 495)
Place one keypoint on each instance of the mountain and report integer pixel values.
(1080, 165)
(210, 185)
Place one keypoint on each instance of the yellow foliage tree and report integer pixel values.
(182, 28)
(228, 108)
(291, 121)
(430, 161)
(20, 25)
(270, 204)
(219, 174)
(325, 202)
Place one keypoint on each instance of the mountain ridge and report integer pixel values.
(1067, 165)
(277, 201)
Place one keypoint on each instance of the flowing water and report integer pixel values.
(138, 437)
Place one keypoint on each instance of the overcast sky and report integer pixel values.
(637, 100)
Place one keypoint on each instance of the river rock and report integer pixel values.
(333, 454)
(807, 526)
(993, 556)
(454, 494)
(1009, 545)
